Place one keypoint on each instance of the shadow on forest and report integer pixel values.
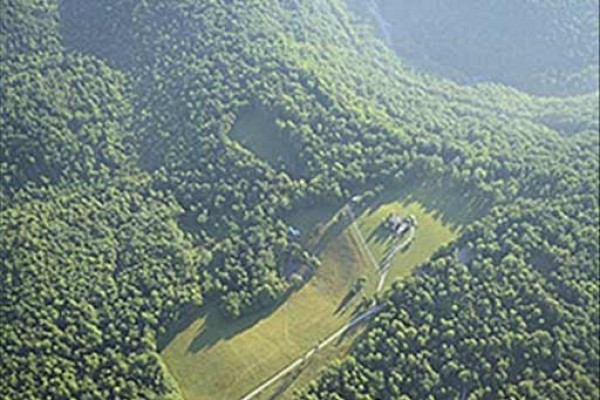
(450, 204)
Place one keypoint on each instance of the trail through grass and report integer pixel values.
(216, 358)
(209, 363)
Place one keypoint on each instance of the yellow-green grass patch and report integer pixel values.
(429, 235)
(217, 358)
(285, 387)
(210, 363)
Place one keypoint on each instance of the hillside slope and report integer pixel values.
(542, 47)
(126, 196)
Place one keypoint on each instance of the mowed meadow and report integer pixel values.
(214, 357)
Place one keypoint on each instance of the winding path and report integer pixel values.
(390, 256)
(382, 270)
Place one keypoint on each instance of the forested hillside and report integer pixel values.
(542, 47)
(126, 196)
(508, 311)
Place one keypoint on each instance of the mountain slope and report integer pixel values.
(126, 196)
(543, 47)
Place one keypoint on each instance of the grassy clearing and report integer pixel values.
(215, 358)
(313, 222)
(255, 130)
(454, 207)
(430, 234)
(284, 388)
(441, 213)
(435, 229)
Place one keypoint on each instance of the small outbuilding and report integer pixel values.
(293, 232)
(399, 225)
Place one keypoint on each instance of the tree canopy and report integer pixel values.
(125, 197)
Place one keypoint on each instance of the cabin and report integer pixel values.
(405, 226)
(394, 222)
(398, 225)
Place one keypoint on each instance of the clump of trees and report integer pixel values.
(91, 275)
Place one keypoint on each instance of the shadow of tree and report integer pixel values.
(217, 326)
(452, 205)
(345, 301)
(188, 314)
(348, 333)
(332, 231)
(380, 234)
(286, 382)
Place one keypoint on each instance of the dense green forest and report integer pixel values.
(543, 47)
(508, 311)
(125, 197)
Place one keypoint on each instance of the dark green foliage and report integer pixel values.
(89, 276)
(126, 194)
(28, 27)
(517, 318)
(101, 28)
(64, 119)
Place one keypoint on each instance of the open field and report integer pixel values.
(285, 387)
(216, 358)
(255, 129)
(430, 234)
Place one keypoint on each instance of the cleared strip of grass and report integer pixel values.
(430, 234)
(216, 358)
(209, 363)
(304, 375)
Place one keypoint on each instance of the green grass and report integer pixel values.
(313, 222)
(215, 358)
(255, 130)
(453, 206)
(429, 235)
(284, 388)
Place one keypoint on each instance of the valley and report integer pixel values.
(299, 200)
(229, 359)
